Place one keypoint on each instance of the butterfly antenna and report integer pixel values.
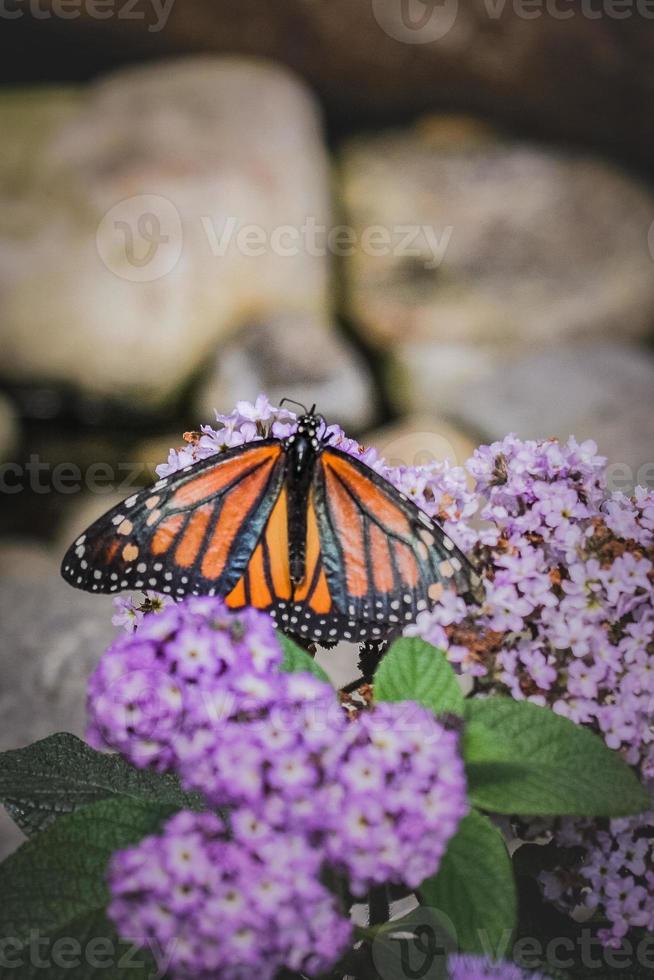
(292, 401)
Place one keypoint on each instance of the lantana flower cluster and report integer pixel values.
(193, 662)
(232, 901)
(567, 620)
(196, 689)
(382, 795)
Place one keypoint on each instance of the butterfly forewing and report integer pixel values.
(192, 532)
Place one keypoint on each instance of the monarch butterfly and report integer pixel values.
(293, 526)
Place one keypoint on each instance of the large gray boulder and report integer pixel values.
(290, 356)
(603, 392)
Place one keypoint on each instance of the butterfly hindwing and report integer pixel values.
(192, 532)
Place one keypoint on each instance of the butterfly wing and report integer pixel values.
(373, 559)
(306, 609)
(192, 532)
(384, 559)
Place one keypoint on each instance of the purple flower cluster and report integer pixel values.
(480, 968)
(615, 877)
(269, 760)
(190, 663)
(381, 796)
(131, 608)
(398, 796)
(568, 617)
(197, 689)
(247, 423)
(568, 622)
(236, 903)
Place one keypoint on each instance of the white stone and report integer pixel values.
(183, 151)
(295, 357)
(603, 392)
(506, 245)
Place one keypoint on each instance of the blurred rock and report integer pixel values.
(483, 249)
(154, 220)
(604, 392)
(10, 835)
(420, 440)
(580, 72)
(295, 357)
(8, 429)
(52, 636)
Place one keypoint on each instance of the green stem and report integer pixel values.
(379, 906)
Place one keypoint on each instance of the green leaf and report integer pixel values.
(297, 660)
(61, 773)
(474, 887)
(414, 670)
(525, 759)
(56, 880)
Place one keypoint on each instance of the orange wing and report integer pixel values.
(385, 560)
(193, 532)
(307, 608)
(373, 559)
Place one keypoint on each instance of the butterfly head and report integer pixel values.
(309, 424)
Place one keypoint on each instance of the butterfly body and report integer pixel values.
(292, 526)
(302, 450)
